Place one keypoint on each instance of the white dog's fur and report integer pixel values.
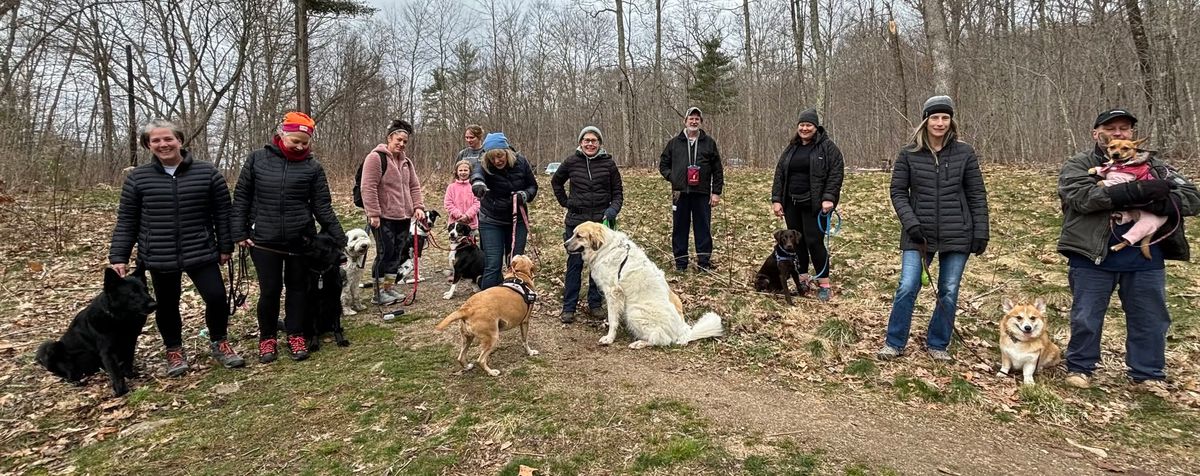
(357, 246)
(637, 290)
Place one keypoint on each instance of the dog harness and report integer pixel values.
(783, 255)
(519, 286)
(623, 261)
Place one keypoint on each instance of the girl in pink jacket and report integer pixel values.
(460, 203)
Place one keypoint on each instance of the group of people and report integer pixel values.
(179, 214)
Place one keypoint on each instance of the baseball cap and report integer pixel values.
(1113, 114)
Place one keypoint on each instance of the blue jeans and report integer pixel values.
(573, 281)
(693, 210)
(941, 326)
(1143, 298)
(497, 241)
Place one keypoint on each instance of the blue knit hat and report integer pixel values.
(495, 140)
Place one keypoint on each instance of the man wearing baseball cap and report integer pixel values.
(1095, 271)
(692, 163)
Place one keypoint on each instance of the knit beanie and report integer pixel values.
(495, 140)
(593, 130)
(937, 104)
(810, 116)
(298, 122)
(399, 125)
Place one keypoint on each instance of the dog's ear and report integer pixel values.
(111, 279)
(1007, 305)
(1104, 138)
(140, 274)
(1040, 305)
(1137, 144)
(779, 235)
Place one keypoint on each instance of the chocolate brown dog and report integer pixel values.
(498, 308)
(780, 266)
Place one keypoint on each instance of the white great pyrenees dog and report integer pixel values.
(634, 288)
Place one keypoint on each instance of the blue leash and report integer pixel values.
(830, 225)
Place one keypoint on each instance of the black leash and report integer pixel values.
(237, 293)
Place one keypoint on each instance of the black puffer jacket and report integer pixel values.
(275, 200)
(178, 222)
(945, 196)
(496, 205)
(678, 154)
(825, 171)
(595, 187)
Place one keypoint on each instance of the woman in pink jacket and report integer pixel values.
(460, 203)
(392, 198)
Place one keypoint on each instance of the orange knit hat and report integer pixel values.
(298, 122)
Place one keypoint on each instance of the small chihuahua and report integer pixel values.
(1128, 163)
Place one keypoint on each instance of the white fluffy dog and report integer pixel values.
(635, 288)
(357, 246)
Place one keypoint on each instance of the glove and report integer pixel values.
(979, 245)
(520, 194)
(478, 188)
(1128, 194)
(915, 234)
(610, 215)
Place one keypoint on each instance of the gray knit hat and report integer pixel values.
(593, 130)
(937, 104)
(810, 116)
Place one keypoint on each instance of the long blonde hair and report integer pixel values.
(920, 136)
(487, 159)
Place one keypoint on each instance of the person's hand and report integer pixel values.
(1128, 194)
(521, 196)
(1163, 208)
(419, 214)
(479, 188)
(979, 245)
(714, 200)
(826, 206)
(610, 215)
(119, 268)
(246, 243)
(225, 258)
(915, 234)
(373, 221)
(777, 209)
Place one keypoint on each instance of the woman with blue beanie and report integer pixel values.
(502, 180)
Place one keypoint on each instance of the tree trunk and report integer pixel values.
(818, 46)
(939, 46)
(625, 89)
(897, 60)
(303, 91)
(798, 44)
(1141, 46)
(1170, 127)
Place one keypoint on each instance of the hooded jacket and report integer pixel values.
(394, 194)
(595, 187)
(942, 194)
(177, 221)
(825, 171)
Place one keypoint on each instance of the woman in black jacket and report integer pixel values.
(280, 190)
(596, 195)
(938, 193)
(808, 183)
(502, 177)
(176, 209)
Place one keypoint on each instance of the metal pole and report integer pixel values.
(132, 112)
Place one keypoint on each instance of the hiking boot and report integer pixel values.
(387, 297)
(223, 353)
(888, 353)
(176, 362)
(267, 351)
(939, 355)
(823, 294)
(1156, 387)
(707, 268)
(567, 317)
(1078, 380)
(298, 347)
(598, 312)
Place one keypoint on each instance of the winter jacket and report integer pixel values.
(595, 187)
(825, 172)
(276, 200)
(496, 206)
(942, 194)
(460, 202)
(678, 154)
(178, 222)
(394, 194)
(1087, 208)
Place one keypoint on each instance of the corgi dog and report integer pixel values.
(1025, 343)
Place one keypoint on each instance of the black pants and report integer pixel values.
(167, 288)
(800, 216)
(692, 210)
(390, 237)
(276, 270)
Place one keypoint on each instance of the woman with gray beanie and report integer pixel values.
(938, 193)
(596, 194)
(807, 185)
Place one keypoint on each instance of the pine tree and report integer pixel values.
(713, 91)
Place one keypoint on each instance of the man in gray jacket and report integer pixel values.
(1095, 271)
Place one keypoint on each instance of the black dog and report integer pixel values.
(781, 265)
(323, 255)
(103, 335)
(466, 258)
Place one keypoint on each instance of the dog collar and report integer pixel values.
(519, 286)
(783, 255)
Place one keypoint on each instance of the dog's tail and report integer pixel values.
(47, 351)
(709, 325)
(454, 316)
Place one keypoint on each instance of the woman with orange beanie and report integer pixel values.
(281, 195)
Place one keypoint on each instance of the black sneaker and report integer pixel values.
(223, 353)
(567, 317)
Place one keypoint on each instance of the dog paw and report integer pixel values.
(532, 352)
(1002, 374)
(638, 344)
(493, 372)
(1028, 383)
(447, 295)
(606, 340)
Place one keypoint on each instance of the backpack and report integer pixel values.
(357, 192)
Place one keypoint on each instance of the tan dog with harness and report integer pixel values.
(487, 313)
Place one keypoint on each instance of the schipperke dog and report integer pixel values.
(324, 255)
(103, 335)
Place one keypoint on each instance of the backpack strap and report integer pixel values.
(382, 162)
